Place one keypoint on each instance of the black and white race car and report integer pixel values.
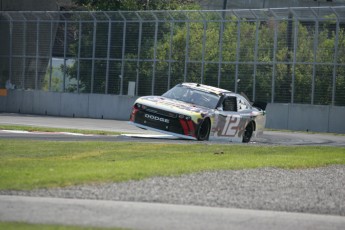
(200, 112)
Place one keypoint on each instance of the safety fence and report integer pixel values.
(286, 55)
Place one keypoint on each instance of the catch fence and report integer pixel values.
(287, 55)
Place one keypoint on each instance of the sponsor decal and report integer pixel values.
(156, 118)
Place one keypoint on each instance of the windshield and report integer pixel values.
(193, 96)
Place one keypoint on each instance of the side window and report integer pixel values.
(230, 104)
(242, 104)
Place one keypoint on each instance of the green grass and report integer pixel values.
(27, 226)
(43, 164)
(49, 129)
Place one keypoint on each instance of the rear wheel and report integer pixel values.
(248, 132)
(204, 130)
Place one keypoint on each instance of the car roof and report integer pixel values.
(206, 88)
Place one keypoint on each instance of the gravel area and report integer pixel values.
(318, 190)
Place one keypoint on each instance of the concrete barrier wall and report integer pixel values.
(318, 118)
(337, 119)
(67, 104)
(300, 117)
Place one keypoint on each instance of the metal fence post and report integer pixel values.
(94, 41)
(65, 57)
(295, 40)
(10, 48)
(37, 51)
(24, 52)
(186, 53)
(123, 53)
(238, 50)
(108, 54)
(275, 45)
(170, 49)
(50, 53)
(139, 52)
(154, 55)
(257, 24)
(220, 57)
(336, 42)
(203, 48)
(315, 45)
(79, 49)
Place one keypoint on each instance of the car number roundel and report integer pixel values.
(231, 125)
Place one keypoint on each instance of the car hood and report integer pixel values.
(174, 106)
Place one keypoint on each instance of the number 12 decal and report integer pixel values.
(231, 126)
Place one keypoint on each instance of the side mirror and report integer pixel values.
(220, 108)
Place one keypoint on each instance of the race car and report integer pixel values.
(200, 112)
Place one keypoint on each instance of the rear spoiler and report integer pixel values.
(259, 104)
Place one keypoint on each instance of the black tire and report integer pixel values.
(204, 130)
(248, 132)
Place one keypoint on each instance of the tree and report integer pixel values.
(92, 75)
(136, 5)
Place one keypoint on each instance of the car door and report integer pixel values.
(229, 122)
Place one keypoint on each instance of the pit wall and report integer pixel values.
(299, 117)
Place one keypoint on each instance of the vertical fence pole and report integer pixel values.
(24, 52)
(94, 42)
(123, 52)
(203, 49)
(238, 50)
(220, 50)
(186, 54)
(79, 49)
(154, 56)
(255, 57)
(37, 52)
(275, 45)
(50, 53)
(294, 60)
(172, 25)
(138, 54)
(65, 57)
(316, 43)
(335, 59)
(10, 49)
(108, 54)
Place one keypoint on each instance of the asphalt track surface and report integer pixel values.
(139, 135)
(100, 213)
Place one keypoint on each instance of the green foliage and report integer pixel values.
(190, 51)
(56, 83)
(286, 74)
(136, 5)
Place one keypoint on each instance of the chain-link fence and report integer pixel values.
(287, 55)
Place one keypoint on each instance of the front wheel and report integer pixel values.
(204, 130)
(248, 132)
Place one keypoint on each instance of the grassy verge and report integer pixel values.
(26, 226)
(42, 164)
(48, 129)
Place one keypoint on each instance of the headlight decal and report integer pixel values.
(188, 127)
